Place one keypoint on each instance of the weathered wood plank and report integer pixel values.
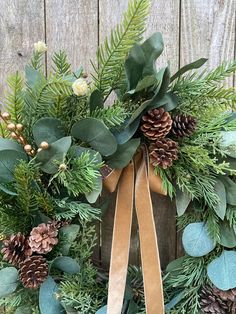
(207, 30)
(159, 20)
(72, 25)
(21, 24)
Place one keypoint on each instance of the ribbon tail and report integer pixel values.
(121, 241)
(148, 242)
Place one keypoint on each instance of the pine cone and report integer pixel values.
(33, 271)
(228, 296)
(211, 302)
(43, 238)
(163, 152)
(16, 249)
(183, 125)
(156, 124)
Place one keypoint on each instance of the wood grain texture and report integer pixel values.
(21, 24)
(72, 25)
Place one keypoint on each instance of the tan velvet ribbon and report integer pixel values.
(134, 183)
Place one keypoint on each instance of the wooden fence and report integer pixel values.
(191, 29)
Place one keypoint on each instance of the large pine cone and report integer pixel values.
(156, 124)
(16, 249)
(211, 302)
(43, 238)
(183, 125)
(163, 152)
(33, 271)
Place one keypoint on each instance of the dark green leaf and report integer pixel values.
(68, 235)
(66, 264)
(220, 208)
(228, 143)
(48, 130)
(175, 301)
(6, 144)
(227, 235)
(96, 100)
(222, 270)
(23, 310)
(93, 196)
(182, 201)
(169, 102)
(124, 154)
(7, 191)
(78, 150)
(48, 300)
(230, 187)
(50, 158)
(33, 76)
(196, 240)
(191, 66)
(8, 281)
(127, 132)
(96, 134)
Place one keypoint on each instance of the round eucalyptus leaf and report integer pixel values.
(196, 240)
(221, 271)
(48, 300)
(8, 281)
(66, 264)
(48, 130)
(230, 187)
(96, 134)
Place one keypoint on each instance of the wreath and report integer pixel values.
(60, 143)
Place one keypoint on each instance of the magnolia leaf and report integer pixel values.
(8, 281)
(6, 144)
(227, 235)
(96, 100)
(48, 300)
(173, 302)
(222, 270)
(182, 201)
(66, 264)
(9, 159)
(95, 133)
(48, 130)
(126, 132)
(163, 77)
(191, 66)
(68, 235)
(196, 240)
(138, 112)
(145, 83)
(93, 196)
(124, 154)
(169, 102)
(220, 208)
(102, 310)
(230, 187)
(228, 143)
(50, 158)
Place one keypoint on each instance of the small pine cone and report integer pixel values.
(183, 125)
(43, 238)
(156, 124)
(16, 249)
(211, 302)
(33, 271)
(163, 152)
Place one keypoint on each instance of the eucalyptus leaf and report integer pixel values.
(6, 144)
(50, 158)
(169, 102)
(66, 264)
(48, 130)
(221, 271)
(48, 300)
(79, 150)
(227, 235)
(68, 235)
(102, 310)
(93, 196)
(230, 187)
(95, 133)
(33, 76)
(8, 281)
(23, 310)
(96, 100)
(182, 201)
(126, 132)
(228, 143)
(173, 302)
(220, 208)
(124, 154)
(175, 264)
(9, 159)
(7, 191)
(196, 240)
(191, 66)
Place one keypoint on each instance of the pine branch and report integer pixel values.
(14, 99)
(109, 71)
(223, 71)
(36, 60)
(61, 65)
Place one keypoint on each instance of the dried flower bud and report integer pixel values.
(11, 127)
(6, 115)
(40, 46)
(44, 145)
(19, 127)
(28, 148)
(80, 87)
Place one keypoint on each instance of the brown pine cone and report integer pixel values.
(16, 249)
(163, 152)
(183, 125)
(211, 302)
(33, 271)
(156, 124)
(43, 238)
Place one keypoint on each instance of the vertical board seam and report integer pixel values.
(45, 36)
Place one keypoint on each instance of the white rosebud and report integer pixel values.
(80, 87)
(40, 46)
